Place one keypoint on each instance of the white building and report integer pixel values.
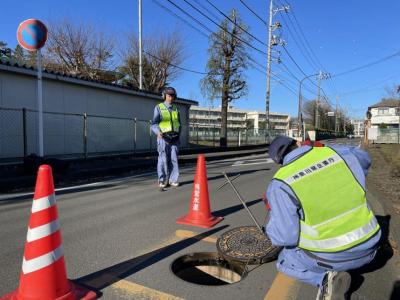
(385, 112)
(359, 127)
(210, 119)
(279, 122)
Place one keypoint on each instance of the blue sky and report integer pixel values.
(342, 35)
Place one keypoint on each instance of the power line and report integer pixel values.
(368, 88)
(244, 30)
(177, 16)
(305, 53)
(309, 50)
(206, 9)
(397, 53)
(303, 40)
(288, 70)
(281, 82)
(176, 66)
(294, 76)
(202, 13)
(190, 16)
(254, 13)
(293, 60)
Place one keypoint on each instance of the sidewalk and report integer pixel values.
(14, 178)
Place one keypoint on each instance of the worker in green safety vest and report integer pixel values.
(167, 126)
(320, 215)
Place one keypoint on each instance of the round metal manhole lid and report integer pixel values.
(247, 244)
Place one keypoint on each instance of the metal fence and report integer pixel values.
(388, 136)
(85, 135)
(235, 136)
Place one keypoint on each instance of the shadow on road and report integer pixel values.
(29, 198)
(232, 174)
(385, 252)
(232, 209)
(395, 291)
(106, 277)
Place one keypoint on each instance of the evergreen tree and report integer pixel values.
(31, 59)
(19, 55)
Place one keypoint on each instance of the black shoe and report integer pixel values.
(334, 286)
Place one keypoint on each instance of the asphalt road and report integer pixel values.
(120, 237)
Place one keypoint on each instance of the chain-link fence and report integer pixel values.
(84, 135)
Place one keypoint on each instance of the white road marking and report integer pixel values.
(80, 186)
(242, 163)
(113, 181)
(238, 163)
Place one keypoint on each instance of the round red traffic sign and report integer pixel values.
(32, 34)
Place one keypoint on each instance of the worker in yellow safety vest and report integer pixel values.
(167, 126)
(320, 215)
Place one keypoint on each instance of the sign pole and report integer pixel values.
(40, 101)
(32, 36)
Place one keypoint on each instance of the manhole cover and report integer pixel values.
(207, 268)
(247, 244)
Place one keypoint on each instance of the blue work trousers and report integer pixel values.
(167, 166)
(295, 263)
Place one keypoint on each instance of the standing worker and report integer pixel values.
(166, 125)
(320, 215)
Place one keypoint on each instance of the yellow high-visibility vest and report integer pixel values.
(336, 215)
(169, 119)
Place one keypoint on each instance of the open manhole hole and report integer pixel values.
(208, 268)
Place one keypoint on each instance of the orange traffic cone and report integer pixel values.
(43, 275)
(199, 210)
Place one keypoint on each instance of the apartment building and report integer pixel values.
(385, 112)
(359, 127)
(206, 118)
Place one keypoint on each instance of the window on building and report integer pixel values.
(383, 111)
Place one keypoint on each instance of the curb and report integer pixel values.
(93, 173)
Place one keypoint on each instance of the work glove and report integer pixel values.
(265, 200)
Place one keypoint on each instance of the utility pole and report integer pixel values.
(140, 46)
(268, 93)
(321, 76)
(272, 41)
(336, 115)
(317, 104)
(300, 106)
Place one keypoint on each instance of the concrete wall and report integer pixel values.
(65, 100)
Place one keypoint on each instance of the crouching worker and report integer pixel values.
(320, 215)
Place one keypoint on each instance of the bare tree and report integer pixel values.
(326, 121)
(78, 50)
(226, 65)
(161, 54)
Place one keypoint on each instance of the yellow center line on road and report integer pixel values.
(138, 291)
(283, 288)
(185, 234)
(142, 292)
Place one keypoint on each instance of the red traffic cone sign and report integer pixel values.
(199, 210)
(44, 276)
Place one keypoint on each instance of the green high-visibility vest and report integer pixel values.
(336, 215)
(169, 119)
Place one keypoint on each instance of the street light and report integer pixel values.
(321, 76)
(299, 114)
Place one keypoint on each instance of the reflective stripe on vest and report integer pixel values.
(336, 216)
(169, 119)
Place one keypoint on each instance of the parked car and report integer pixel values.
(351, 136)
